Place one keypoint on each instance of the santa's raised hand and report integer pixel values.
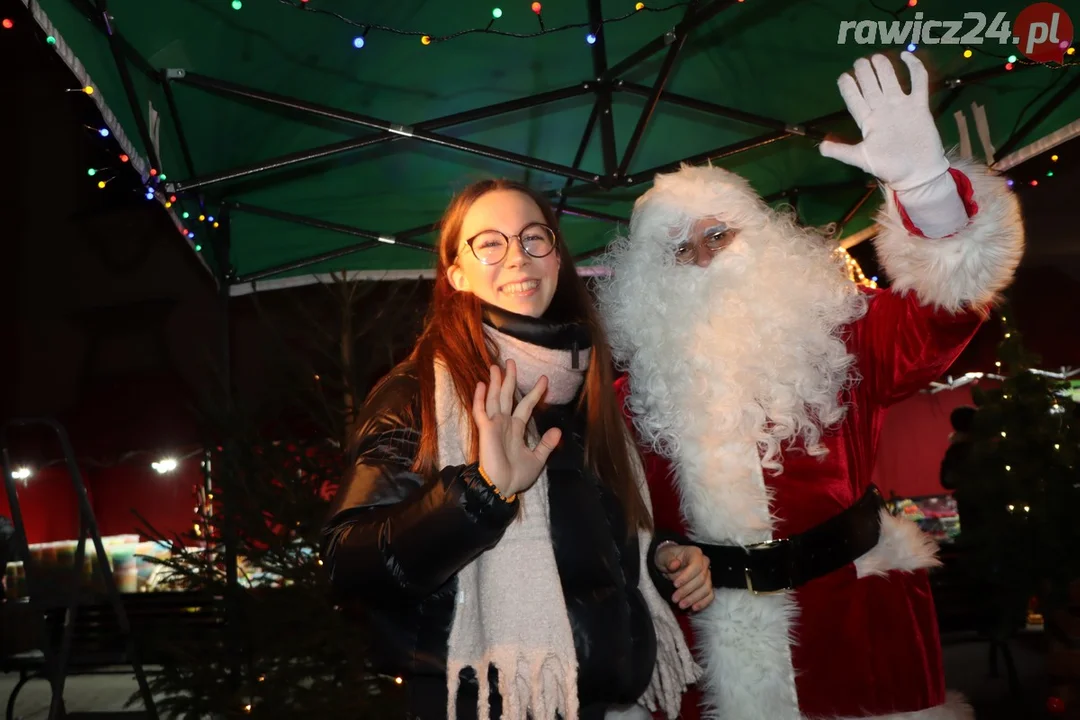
(901, 145)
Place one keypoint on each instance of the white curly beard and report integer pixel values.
(749, 349)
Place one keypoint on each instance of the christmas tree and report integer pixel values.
(1020, 527)
(285, 650)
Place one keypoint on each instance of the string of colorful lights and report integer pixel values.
(427, 38)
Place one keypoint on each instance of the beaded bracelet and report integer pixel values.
(493, 487)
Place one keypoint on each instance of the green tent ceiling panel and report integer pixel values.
(750, 86)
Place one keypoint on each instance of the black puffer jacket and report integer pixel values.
(395, 542)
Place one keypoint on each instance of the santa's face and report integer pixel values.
(707, 238)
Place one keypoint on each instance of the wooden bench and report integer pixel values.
(98, 646)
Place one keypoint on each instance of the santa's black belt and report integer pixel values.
(787, 563)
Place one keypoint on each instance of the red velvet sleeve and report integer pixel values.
(902, 346)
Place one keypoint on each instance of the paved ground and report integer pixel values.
(966, 667)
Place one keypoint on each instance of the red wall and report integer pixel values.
(48, 505)
(913, 441)
(50, 509)
(166, 501)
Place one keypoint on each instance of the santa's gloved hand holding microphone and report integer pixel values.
(901, 145)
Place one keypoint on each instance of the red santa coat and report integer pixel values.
(862, 642)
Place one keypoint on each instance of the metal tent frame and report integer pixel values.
(607, 80)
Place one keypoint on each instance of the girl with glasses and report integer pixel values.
(495, 530)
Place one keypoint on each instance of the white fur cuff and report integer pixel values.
(902, 546)
(967, 269)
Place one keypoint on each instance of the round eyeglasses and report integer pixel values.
(491, 246)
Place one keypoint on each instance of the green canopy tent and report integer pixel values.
(289, 139)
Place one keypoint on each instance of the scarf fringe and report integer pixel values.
(536, 685)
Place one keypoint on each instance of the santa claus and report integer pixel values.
(762, 375)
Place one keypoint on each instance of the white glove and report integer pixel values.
(901, 145)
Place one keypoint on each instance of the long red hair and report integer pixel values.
(454, 333)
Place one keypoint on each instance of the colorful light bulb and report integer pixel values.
(358, 42)
(536, 8)
(912, 47)
(104, 132)
(101, 184)
(640, 6)
(8, 24)
(496, 13)
(88, 90)
(92, 172)
(236, 4)
(426, 40)
(590, 38)
(124, 157)
(968, 53)
(51, 40)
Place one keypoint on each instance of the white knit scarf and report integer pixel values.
(510, 611)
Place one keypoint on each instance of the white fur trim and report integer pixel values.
(745, 642)
(903, 546)
(954, 708)
(969, 268)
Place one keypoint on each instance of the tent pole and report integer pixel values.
(326, 225)
(415, 132)
(717, 154)
(707, 107)
(681, 33)
(603, 90)
(341, 147)
(129, 88)
(855, 207)
(99, 23)
(1052, 104)
(221, 243)
(174, 112)
(659, 43)
(579, 155)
